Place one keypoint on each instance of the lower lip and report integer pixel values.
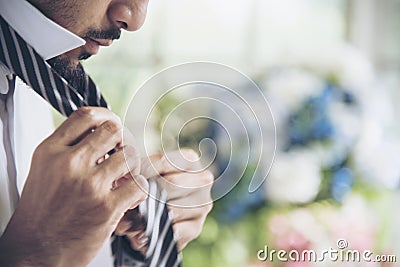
(92, 47)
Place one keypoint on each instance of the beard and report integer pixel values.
(73, 74)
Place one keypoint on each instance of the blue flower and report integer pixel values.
(342, 182)
(311, 122)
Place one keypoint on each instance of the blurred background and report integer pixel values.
(331, 72)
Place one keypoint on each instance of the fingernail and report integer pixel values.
(144, 240)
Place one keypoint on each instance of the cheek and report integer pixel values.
(85, 15)
(95, 13)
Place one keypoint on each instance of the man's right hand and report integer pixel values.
(68, 207)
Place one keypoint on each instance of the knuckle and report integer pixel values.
(210, 201)
(197, 230)
(165, 161)
(175, 180)
(190, 154)
(207, 209)
(171, 179)
(116, 119)
(40, 150)
(182, 244)
(85, 112)
(93, 113)
(112, 127)
(208, 177)
(132, 153)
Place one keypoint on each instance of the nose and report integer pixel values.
(129, 14)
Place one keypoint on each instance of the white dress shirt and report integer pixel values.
(25, 118)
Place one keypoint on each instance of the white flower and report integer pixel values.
(347, 123)
(376, 155)
(294, 178)
(351, 67)
(287, 89)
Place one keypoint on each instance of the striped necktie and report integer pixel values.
(23, 61)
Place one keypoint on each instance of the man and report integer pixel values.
(75, 196)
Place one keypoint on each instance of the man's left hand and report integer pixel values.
(188, 187)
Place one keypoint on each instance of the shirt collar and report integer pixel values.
(47, 37)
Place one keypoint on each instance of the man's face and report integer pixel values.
(99, 22)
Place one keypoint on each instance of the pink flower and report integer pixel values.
(257, 264)
(298, 264)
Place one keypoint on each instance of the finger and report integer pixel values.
(139, 241)
(180, 214)
(128, 138)
(190, 181)
(131, 223)
(103, 139)
(122, 227)
(80, 123)
(188, 189)
(124, 162)
(196, 199)
(185, 160)
(131, 193)
(187, 231)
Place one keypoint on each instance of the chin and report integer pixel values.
(84, 56)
